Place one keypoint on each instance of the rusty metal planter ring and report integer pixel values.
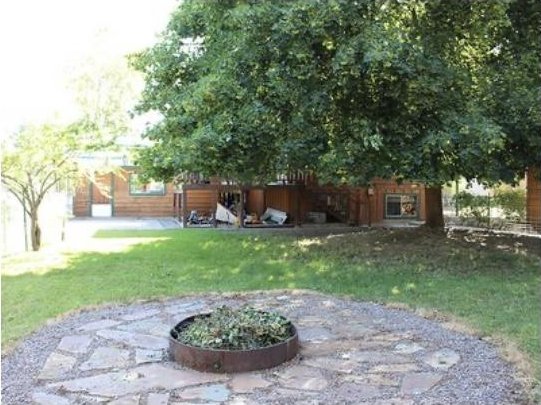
(230, 361)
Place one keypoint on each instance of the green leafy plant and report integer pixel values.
(472, 206)
(512, 202)
(236, 329)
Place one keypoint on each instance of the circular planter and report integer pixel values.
(230, 361)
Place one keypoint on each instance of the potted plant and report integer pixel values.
(230, 340)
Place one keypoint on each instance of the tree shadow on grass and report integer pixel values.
(491, 287)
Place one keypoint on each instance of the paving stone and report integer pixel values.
(417, 383)
(106, 357)
(393, 401)
(288, 394)
(56, 366)
(327, 347)
(148, 326)
(142, 314)
(372, 343)
(331, 363)
(342, 360)
(442, 359)
(103, 324)
(390, 337)
(372, 379)
(299, 302)
(304, 378)
(311, 321)
(214, 392)
(148, 356)
(135, 339)
(75, 343)
(353, 330)
(157, 399)
(43, 398)
(328, 304)
(185, 308)
(192, 403)
(377, 357)
(314, 334)
(127, 400)
(144, 378)
(87, 399)
(408, 348)
(242, 401)
(394, 368)
(242, 383)
(360, 392)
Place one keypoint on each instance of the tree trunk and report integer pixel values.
(434, 208)
(25, 226)
(35, 231)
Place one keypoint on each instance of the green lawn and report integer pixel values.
(491, 284)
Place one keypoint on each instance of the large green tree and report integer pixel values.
(512, 93)
(351, 90)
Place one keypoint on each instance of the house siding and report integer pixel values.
(123, 203)
(533, 199)
(128, 205)
(356, 206)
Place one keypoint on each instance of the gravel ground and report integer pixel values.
(480, 377)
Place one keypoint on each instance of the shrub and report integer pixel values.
(236, 329)
(472, 206)
(512, 203)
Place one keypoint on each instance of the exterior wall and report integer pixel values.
(81, 199)
(127, 205)
(364, 209)
(533, 199)
(201, 200)
(280, 198)
(358, 207)
(123, 203)
(382, 187)
(255, 201)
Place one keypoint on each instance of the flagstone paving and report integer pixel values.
(351, 353)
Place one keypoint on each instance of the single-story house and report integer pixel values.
(299, 199)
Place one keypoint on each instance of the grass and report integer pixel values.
(491, 284)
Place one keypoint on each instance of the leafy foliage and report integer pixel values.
(471, 205)
(511, 90)
(104, 90)
(352, 90)
(236, 329)
(38, 158)
(512, 202)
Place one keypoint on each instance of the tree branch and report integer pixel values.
(19, 198)
(32, 195)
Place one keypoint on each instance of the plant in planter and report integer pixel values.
(236, 329)
(229, 340)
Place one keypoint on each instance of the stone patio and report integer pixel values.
(351, 353)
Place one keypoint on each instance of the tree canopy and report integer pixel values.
(423, 90)
(39, 158)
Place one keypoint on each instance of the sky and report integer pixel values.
(42, 41)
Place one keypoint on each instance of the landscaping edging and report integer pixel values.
(232, 361)
(350, 352)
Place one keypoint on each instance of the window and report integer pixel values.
(400, 206)
(137, 187)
